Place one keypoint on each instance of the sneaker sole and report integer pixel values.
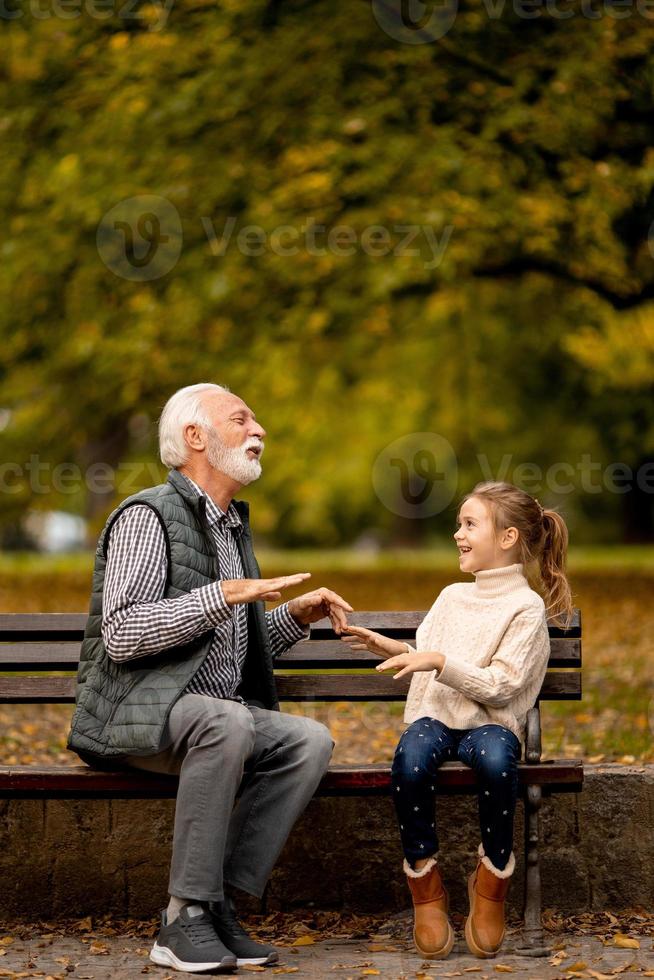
(163, 956)
(258, 961)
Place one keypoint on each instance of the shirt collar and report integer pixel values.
(215, 513)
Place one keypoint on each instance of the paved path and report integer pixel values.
(60, 955)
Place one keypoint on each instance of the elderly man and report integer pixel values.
(176, 675)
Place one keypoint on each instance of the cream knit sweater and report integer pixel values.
(493, 633)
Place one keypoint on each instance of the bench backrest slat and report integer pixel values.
(558, 685)
(64, 626)
(39, 642)
(316, 655)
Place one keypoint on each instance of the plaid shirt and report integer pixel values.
(137, 620)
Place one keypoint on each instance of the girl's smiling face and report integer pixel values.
(480, 545)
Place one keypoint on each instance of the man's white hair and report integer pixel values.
(182, 409)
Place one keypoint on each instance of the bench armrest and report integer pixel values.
(533, 747)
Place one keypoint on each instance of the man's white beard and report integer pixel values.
(235, 462)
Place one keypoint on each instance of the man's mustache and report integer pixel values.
(257, 444)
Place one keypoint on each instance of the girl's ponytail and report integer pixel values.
(552, 561)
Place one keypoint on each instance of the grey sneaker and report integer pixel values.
(190, 943)
(232, 933)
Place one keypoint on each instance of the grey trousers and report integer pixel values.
(219, 747)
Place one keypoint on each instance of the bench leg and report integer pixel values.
(533, 939)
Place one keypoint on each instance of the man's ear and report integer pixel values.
(194, 436)
(509, 538)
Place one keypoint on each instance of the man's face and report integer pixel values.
(235, 442)
(233, 421)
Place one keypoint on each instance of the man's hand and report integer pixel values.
(360, 638)
(313, 606)
(409, 663)
(238, 590)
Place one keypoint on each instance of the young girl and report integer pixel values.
(482, 653)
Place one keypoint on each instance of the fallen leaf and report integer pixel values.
(304, 941)
(503, 968)
(99, 949)
(625, 942)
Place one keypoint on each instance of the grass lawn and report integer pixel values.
(614, 587)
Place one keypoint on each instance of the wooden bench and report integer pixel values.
(36, 645)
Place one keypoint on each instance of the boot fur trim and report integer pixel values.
(411, 873)
(486, 861)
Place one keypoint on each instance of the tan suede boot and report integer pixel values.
(487, 891)
(432, 930)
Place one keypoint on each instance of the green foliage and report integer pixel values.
(529, 139)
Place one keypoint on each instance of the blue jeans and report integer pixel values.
(491, 750)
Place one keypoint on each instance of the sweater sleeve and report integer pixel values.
(522, 656)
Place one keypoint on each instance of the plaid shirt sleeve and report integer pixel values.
(284, 631)
(136, 619)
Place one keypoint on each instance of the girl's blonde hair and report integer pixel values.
(543, 539)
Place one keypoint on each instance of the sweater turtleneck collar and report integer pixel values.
(500, 581)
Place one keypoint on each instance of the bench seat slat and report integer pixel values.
(80, 781)
(559, 685)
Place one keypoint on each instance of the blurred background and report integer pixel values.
(416, 239)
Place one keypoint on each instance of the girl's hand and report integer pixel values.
(410, 662)
(363, 639)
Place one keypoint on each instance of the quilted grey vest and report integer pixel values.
(121, 708)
